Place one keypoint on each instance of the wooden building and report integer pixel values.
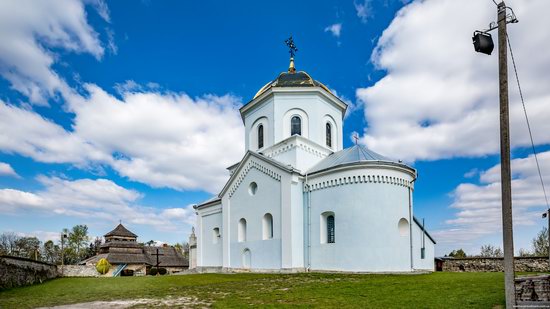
(128, 257)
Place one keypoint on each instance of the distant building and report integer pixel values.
(128, 257)
(297, 201)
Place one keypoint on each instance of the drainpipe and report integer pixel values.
(308, 197)
(410, 222)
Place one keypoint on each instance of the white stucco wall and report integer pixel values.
(209, 252)
(265, 109)
(265, 254)
(317, 109)
(366, 220)
(428, 262)
(314, 109)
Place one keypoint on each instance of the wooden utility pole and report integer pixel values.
(505, 174)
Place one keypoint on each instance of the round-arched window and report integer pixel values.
(328, 134)
(295, 126)
(252, 188)
(260, 136)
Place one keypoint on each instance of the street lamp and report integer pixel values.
(483, 43)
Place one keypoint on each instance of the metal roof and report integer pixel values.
(351, 155)
(287, 79)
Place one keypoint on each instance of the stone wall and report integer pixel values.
(15, 271)
(476, 264)
(78, 271)
(533, 291)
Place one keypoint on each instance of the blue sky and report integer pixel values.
(128, 110)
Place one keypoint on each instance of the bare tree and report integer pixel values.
(490, 251)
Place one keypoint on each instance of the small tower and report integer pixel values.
(192, 249)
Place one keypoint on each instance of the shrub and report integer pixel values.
(102, 266)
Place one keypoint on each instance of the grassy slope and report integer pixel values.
(437, 290)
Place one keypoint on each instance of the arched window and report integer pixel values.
(268, 226)
(328, 133)
(331, 229)
(328, 228)
(216, 235)
(296, 126)
(260, 136)
(242, 230)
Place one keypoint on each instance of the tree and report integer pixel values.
(490, 251)
(7, 243)
(27, 247)
(150, 242)
(540, 243)
(458, 253)
(51, 252)
(525, 252)
(93, 248)
(78, 239)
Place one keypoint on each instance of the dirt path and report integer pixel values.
(181, 302)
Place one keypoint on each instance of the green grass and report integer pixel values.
(436, 290)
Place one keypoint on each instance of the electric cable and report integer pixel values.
(527, 120)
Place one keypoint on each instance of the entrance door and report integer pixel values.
(246, 258)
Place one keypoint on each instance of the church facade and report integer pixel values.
(298, 201)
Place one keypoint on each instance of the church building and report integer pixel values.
(298, 201)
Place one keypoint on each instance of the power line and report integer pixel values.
(527, 120)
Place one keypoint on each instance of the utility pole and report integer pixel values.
(505, 174)
(483, 43)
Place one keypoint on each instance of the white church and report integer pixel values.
(298, 201)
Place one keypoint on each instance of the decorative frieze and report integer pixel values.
(362, 178)
(252, 164)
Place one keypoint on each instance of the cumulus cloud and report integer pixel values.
(29, 30)
(7, 170)
(164, 139)
(335, 29)
(43, 140)
(101, 199)
(478, 206)
(160, 139)
(447, 100)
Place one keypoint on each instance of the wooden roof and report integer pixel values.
(122, 231)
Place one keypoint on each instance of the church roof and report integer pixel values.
(292, 79)
(120, 230)
(350, 156)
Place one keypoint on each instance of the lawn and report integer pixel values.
(436, 290)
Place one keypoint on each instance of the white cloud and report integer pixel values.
(42, 139)
(7, 170)
(478, 206)
(335, 29)
(363, 10)
(164, 139)
(160, 139)
(29, 30)
(100, 199)
(439, 98)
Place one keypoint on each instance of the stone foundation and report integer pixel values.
(15, 271)
(533, 291)
(474, 264)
